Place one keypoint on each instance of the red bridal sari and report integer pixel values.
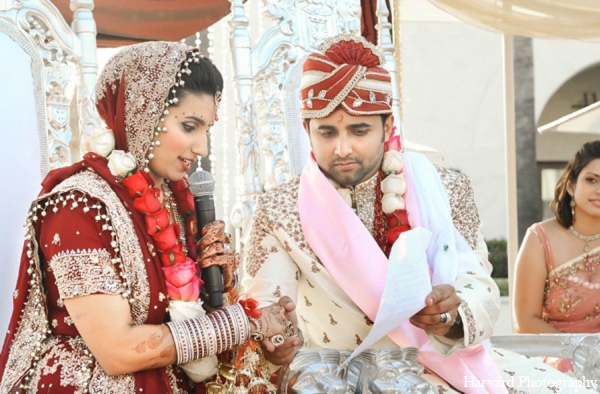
(83, 238)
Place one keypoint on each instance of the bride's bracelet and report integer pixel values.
(211, 334)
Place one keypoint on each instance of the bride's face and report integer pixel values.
(185, 139)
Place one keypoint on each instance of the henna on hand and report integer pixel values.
(229, 265)
(214, 248)
(272, 321)
(213, 232)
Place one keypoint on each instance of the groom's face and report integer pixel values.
(349, 148)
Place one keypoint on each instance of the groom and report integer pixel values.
(327, 237)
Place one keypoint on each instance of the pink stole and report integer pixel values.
(355, 261)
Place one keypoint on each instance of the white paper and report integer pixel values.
(406, 286)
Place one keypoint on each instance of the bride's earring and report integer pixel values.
(572, 204)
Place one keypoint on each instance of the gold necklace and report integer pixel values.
(167, 196)
(585, 238)
(169, 203)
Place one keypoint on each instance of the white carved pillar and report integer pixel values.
(241, 48)
(84, 27)
(386, 45)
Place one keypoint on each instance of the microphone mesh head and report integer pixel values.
(202, 183)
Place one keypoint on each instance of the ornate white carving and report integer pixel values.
(536, 345)
(262, 76)
(68, 70)
(42, 27)
(49, 35)
(386, 44)
(586, 358)
(582, 348)
(269, 102)
(84, 26)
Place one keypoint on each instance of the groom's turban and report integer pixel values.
(347, 72)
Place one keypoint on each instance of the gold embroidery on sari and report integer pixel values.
(568, 285)
(132, 261)
(31, 333)
(102, 383)
(74, 361)
(84, 272)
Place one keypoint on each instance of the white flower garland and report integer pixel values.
(393, 185)
(121, 163)
(102, 142)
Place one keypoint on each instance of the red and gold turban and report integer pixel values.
(348, 72)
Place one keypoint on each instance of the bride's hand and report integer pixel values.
(214, 248)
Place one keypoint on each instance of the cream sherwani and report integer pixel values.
(278, 261)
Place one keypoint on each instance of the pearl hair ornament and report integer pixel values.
(193, 56)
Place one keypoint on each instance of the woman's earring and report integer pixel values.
(572, 204)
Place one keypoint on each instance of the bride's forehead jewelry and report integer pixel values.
(193, 56)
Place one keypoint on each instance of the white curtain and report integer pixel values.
(570, 19)
(19, 163)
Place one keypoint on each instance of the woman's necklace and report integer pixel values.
(586, 238)
(169, 203)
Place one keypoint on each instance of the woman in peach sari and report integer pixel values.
(557, 282)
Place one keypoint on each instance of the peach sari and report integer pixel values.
(571, 295)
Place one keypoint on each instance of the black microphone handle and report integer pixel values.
(213, 285)
(211, 276)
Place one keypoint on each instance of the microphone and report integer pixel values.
(202, 186)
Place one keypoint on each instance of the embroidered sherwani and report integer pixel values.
(279, 261)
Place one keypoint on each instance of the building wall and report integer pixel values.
(453, 101)
(556, 62)
(452, 92)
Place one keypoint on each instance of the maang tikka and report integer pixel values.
(179, 83)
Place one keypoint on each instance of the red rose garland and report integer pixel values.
(181, 272)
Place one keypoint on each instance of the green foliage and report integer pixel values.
(498, 257)
(502, 285)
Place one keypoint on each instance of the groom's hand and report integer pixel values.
(432, 318)
(284, 354)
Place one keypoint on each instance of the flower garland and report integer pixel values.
(181, 272)
(393, 187)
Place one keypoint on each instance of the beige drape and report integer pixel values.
(570, 19)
